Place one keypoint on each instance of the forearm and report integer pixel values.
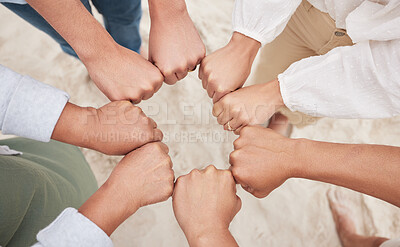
(370, 169)
(74, 125)
(325, 86)
(166, 9)
(221, 238)
(107, 208)
(76, 25)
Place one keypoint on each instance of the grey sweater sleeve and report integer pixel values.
(72, 229)
(29, 108)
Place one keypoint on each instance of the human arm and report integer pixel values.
(254, 24)
(119, 73)
(116, 200)
(115, 129)
(205, 203)
(359, 81)
(175, 46)
(263, 160)
(29, 108)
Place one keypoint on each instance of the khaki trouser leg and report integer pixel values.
(309, 32)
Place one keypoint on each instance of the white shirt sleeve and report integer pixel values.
(72, 229)
(263, 20)
(360, 81)
(29, 108)
(391, 243)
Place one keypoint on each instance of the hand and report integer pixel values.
(175, 46)
(263, 160)
(142, 177)
(227, 69)
(147, 174)
(122, 74)
(205, 203)
(115, 129)
(251, 105)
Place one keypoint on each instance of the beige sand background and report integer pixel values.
(297, 214)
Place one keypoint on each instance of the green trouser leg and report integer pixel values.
(37, 186)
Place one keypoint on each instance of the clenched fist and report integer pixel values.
(115, 129)
(147, 175)
(251, 105)
(262, 160)
(205, 203)
(227, 69)
(122, 74)
(175, 46)
(142, 177)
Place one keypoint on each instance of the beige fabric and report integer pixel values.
(309, 32)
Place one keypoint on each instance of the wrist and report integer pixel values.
(107, 208)
(166, 9)
(302, 148)
(72, 126)
(273, 92)
(245, 44)
(209, 237)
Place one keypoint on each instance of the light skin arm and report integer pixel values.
(205, 203)
(370, 169)
(115, 129)
(118, 72)
(228, 68)
(76, 25)
(121, 196)
(107, 208)
(175, 46)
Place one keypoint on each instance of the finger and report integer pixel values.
(157, 135)
(157, 87)
(164, 147)
(152, 122)
(181, 75)
(147, 95)
(224, 117)
(192, 68)
(210, 90)
(236, 123)
(228, 126)
(238, 204)
(218, 95)
(237, 131)
(170, 79)
(201, 73)
(218, 108)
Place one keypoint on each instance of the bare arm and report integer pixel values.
(370, 169)
(263, 160)
(121, 74)
(205, 203)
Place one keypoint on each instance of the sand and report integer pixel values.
(296, 214)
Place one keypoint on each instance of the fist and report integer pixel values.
(144, 176)
(175, 46)
(227, 69)
(262, 160)
(251, 105)
(205, 201)
(118, 128)
(125, 75)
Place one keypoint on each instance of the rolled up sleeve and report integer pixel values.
(29, 108)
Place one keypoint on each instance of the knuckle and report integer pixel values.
(245, 131)
(237, 143)
(234, 156)
(236, 172)
(195, 172)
